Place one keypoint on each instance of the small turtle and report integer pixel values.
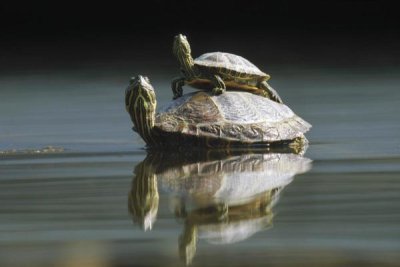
(218, 71)
(205, 120)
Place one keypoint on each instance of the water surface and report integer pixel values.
(71, 206)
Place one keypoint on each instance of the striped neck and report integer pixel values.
(144, 118)
(187, 65)
(141, 105)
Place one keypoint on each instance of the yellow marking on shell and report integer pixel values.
(205, 84)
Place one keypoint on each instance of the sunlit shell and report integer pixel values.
(232, 116)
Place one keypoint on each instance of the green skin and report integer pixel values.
(192, 74)
(140, 101)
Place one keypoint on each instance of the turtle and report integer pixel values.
(217, 71)
(201, 119)
(221, 196)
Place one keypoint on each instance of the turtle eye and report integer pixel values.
(132, 80)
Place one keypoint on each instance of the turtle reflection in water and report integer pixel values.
(204, 120)
(221, 197)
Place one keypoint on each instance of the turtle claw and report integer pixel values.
(177, 95)
(271, 92)
(265, 94)
(217, 91)
(177, 87)
(223, 212)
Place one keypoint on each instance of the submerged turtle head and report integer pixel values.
(182, 51)
(140, 102)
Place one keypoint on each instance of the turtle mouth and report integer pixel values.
(180, 37)
(142, 83)
(139, 91)
(181, 44)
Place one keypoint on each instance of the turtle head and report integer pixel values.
(182, 52)
(140, 103)
(181, 45)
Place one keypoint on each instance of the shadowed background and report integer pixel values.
(76, 35)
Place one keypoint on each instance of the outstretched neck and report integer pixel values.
(187, 65)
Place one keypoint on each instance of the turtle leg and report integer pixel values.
(219, 85)
(177, 87)
(222, 211)
(270, 92)
(187, 242)
(179, 207)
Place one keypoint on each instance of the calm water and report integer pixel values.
(100, 200)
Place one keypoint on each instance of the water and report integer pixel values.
(338, 205)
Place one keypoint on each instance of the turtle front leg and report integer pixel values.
(270, 92)
(177, 87)
(219, 85)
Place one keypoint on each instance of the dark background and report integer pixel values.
(328, 34)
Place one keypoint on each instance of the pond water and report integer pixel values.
(77, 187)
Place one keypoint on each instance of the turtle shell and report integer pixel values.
(233, 117)
(226, 63)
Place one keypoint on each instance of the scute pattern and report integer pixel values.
(245, 133)
(241, 107)
(232, 116)
(194, 108)
(273, 110)
(230, 62)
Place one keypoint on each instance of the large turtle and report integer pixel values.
(205, 120)
(218, 71)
